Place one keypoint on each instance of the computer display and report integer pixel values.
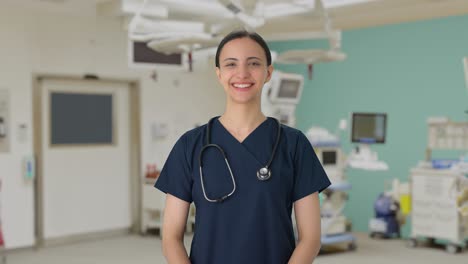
(329, 157)
(289, 88)
(286, 88)
(369, 128)
(141, 56)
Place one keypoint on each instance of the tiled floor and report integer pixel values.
(147, 250)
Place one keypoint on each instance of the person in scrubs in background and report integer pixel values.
(252, 222)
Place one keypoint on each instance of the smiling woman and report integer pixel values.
(243, 68)
(244, 172)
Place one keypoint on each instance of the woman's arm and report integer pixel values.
(174, 222)
(307, 211)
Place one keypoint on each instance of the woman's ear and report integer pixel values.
(269, 72)
(218, 73)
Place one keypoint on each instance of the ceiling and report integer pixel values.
(360, 15)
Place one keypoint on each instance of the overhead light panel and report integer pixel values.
(283, 9)
(151, 9)
(146, 29)
(132, 7)
(331, 3)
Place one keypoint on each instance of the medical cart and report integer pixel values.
(335, 226)
(153, 205)
(153, 209)
(438, 191)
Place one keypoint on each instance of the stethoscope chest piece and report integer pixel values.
(263, 174)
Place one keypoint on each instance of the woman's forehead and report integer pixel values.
(243, 47)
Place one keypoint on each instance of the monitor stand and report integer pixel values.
(362, 157)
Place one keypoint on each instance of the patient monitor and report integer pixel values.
(281, 95)
(367, 129)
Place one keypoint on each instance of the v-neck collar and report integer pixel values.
(248, 136)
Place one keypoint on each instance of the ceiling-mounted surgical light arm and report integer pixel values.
(334, 39)
(250, 21)
(128, 8)
(149, 9)
(133, 25)
(143, 29)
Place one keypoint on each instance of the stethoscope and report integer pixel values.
(263, 173)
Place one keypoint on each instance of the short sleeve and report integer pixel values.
(175, 177)
(309, 175)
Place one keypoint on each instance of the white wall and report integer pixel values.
(73, 45)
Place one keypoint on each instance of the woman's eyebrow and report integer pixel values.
(230, 59)
(249, 58)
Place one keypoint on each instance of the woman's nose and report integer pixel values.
(244, 71)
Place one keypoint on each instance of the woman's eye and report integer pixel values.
(255, 63)
(230, 65)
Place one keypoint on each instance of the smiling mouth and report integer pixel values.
(242, 85)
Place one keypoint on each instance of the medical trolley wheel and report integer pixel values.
(412, 242)
(452, 248)
(352, 246)
(430, 241)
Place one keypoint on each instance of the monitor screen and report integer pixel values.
(369, 127)
(289, 88)
(329, 157)
(141, 56)
(285, 88)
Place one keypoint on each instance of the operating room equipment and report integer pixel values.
(281, 95)
(385, 222)
(263, 174)
(367, 129)
(335, 227)
(440, 193)
(328, 150)
(312, 56)
(390, 210)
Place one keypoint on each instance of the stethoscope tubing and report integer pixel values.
(200, 158)
(263, 173)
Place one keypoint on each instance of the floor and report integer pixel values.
(147, 249)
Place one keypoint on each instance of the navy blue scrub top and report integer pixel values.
(253, 225)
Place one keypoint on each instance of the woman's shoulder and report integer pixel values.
(292, 133)
(193, 134)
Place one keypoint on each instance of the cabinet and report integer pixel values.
(153, 205)
(153, 201)
(435, 210)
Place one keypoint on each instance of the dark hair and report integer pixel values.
(243, 34)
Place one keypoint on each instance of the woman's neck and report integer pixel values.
(242, 115)
(241, 119)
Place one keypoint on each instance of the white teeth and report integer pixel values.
(242, 85)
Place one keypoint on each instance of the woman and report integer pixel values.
(243, 199)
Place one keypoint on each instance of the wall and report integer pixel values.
(34, 43)
(411, 71)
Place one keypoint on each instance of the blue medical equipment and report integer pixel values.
(263, 173)
(385, 224)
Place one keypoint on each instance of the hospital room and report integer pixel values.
(233, 131)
